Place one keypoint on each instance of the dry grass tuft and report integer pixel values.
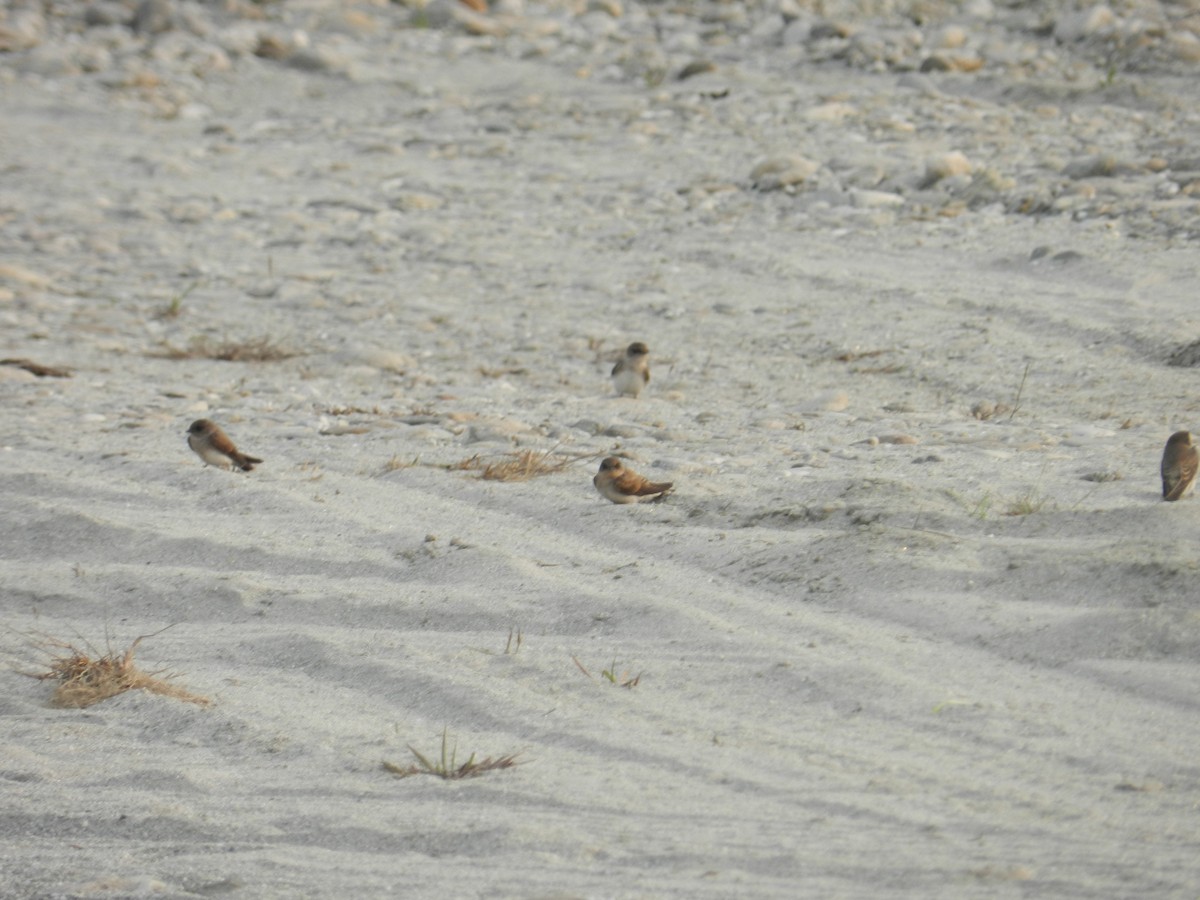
(85, 677)
(396, 463)
(447, 766)
(261, 349)
(520, 466)
(1026, 505)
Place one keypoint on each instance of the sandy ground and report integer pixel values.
(885, 647)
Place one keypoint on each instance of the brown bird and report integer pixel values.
(1179, 463)
(631, 373)
(214, 447)
(622, 485)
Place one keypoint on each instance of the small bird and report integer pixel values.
(1179, 463)
(622, 485)
(216, 449)
(631, 373)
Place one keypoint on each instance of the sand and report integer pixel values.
(882, 646)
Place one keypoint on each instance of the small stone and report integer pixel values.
(495, 430)
(941, 62)
(415, 201)
(781, 172)
(152, 17)
(1184, 45)
(22, 30)
(271, 47)
(612, 7)
(875, 199)
(830, 112)
(477, 23)
(694, 68)
(827, 401)
(1187, 356)
(28, 277)
(99, 15)
(945, 165)
(1098, 166)
(985, 409)
(622, 431)
(951, 37)
(1084, 23)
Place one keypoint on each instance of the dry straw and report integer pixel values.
(86, 676)
(520, 466)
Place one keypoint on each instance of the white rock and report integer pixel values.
(782, 171)
(827, 401)
(945, 165)
(1184, 45)
(875, 199)
(831, 112)
(951, 37)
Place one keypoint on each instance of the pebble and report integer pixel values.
(1099, 166)
(781, 172)
(945, 165)
(875, 199)
(1075, 26)
(827, 401)
(21, 30)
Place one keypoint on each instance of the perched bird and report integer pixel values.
(631, 373)
(1179, 464)
(214, 446)
(622, 485)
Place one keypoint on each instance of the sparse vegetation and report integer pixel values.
(173, 309)
(1016, 404)
(1026, 504)
(86, 676)
(447, 766)
(515, 639)
(396, 463)
(611, 675)
(1102, 477)
(520, 466)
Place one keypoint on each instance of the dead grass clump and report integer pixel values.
(85, 677)
(396, 463)
(447, 765)
(1026, 505)
(520, 466)
(261, 349)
